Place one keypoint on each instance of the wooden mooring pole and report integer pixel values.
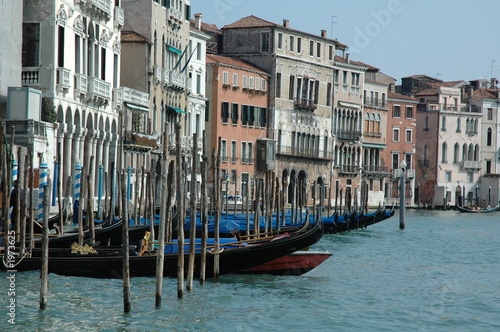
(125, 247)
(44, 270)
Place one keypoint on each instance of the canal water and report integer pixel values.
(441, 273)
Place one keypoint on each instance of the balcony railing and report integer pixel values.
(175, 15)
(99, 89)
(30, 76)
(119, 16)
(348, 135)
(348, 169)
(375, 169)
(305, 104)
(158, 73)
(81, 83)
(374, 102)
(166, 77)
(63, 78)
(472, 164)
(117, 97)
(186, 142)
(26, 127)
(135, 97)
(304, 152)
(178, 80)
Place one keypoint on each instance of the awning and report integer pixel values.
(352, 105)
(137, 107)
(376, 146)
(173, 49)
(178, 110)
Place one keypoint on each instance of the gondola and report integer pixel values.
(338, 224)
(474, 210)
(297, 263)
(237, 258)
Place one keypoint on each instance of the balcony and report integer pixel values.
(135, 141)
(117, 98)
(304, 104)
(158, 73)
(178, 80)
(63, 78)
(375, 103)
(471, 164)
(348, 135)
(30, 76)
(26, 127)
(119, 17)
(166, 77)
(135, 97)
(186, 142)
(175, 15)
(99, 90)
(102, 7)
(81, 84)
(376, 170)
(350, 170)
(304, 153)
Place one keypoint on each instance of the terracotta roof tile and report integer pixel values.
(133, 37)
(218, 59)
(394, 95)
(207, 28)
(428, 92)
(485, 94)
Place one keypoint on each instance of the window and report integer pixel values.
(235, 79)
(424, 175)
(225, 78)
(409, 112)
(408, 135)
(198, 51)
(225, 111)
(233, 152)
(459, 129)
(244, 159)
(395, 135)
(244, 115)
(223, 150)
(60, 46)
(234, 114)
(395, 161)
(444, 152)
(280, 41)
(456, 153)
(443, 123)
(396, 111)
(264, 42)
(318, 50)
(245, 82)
(263, 85)
(250, 152)
(490, 113)
(262, 117)
(426, 123)
(330, 52)
(470, 177)
(311, 48)
(299, 45)
(292, 43)
(257, 83)
(489, 137)
(252, 85)
(408, 160)
(329, 94)
(447, 176)
(278, 85)
(198, 84)
(291, 88)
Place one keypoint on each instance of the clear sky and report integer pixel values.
(448, 39)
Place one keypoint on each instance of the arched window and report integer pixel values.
(459, 129)
(489, 137)
(444, 152)
(443, 123)
(456, 153)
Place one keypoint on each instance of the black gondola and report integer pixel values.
(109, 265)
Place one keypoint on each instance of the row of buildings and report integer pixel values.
(116, 76)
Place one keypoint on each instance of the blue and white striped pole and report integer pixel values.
(78, 182)
(43, 175)
(56, 180)
(99, 190)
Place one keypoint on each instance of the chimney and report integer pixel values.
(347, 57)
(493, 83)
(286, 23)
(197, 21)
(323, 33)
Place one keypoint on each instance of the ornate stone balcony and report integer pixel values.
(30, 76)
(99, 90)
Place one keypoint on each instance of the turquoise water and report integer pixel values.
(441, 273)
